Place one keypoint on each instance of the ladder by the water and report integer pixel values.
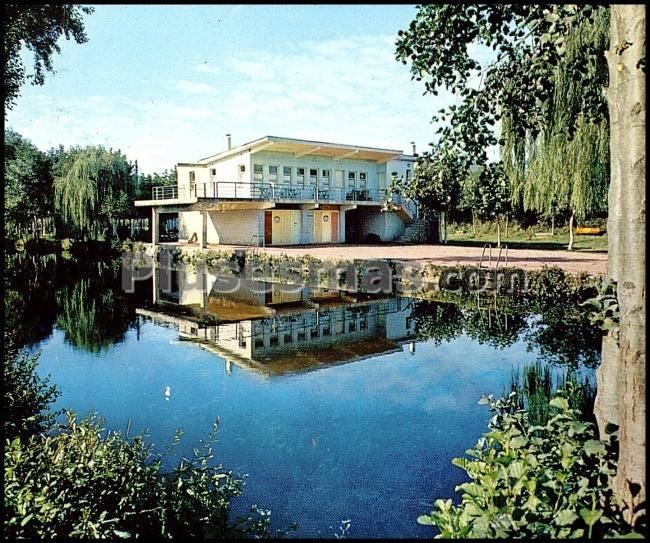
(253, 245)
(488, 246)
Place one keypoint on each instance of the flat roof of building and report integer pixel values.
(298, 147)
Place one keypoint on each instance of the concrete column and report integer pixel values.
(203, 238)
(155, 227)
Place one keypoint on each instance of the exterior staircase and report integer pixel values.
(416, 232)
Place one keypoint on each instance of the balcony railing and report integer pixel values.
(171, 193)
(275, 192)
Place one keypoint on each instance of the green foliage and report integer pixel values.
(604, 309)
(86, 482)
(93, 315)
(493, 192)
(548, 285)
(436, 182)
(90, 188)
(542, 91)
(38, 28)
(535, 386)
(527, 481)
(28, 185)
(26, 394)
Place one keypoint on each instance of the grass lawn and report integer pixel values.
(520, 238)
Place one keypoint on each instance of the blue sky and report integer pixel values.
(165, 83)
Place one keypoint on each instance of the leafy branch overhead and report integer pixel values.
(38, 29)
(539, 97)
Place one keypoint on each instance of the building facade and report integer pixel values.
(283, 191)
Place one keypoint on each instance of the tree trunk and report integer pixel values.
(498, 232)
(552, 225)
(473, 223)
(506, 233)
(626, 251)
(570, 247)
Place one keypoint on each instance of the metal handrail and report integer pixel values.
(486, 246)
(499, 257)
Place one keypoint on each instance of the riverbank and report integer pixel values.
(594, 264)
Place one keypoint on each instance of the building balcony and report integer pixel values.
(228, 191)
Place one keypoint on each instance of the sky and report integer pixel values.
(164, 84)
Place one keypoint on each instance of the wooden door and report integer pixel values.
(268, 227)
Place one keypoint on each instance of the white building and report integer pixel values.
(283, 191)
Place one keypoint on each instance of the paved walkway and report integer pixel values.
(446, 255)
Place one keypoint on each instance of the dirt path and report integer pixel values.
(573, 262)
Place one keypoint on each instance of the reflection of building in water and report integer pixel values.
(275, 329)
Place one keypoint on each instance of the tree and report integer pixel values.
(90, 189)
(492, 197)
(564, 169)
(626, 97)
(530, 42)
(436, 183)
(28, 186)
(38, 28)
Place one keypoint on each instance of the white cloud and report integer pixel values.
(191, 87)
(206, 69)
(348, 90)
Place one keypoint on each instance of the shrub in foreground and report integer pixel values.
(532, 481)
(88, 483)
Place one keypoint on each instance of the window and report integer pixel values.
(301, 176)
(273, 340)
(301, 335)
(352, 179)
(258, 172)
(273, 173)
(242, 168)
(325, 177)
(259, 342)
(213, 171)
(314, 333)
(408, 174)
(192, 177)
(352, 327)
(286, 174)
(288, 338)
(338, 178)
(362, 180)
(313, 176)
(363, 323)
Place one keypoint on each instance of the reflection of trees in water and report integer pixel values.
(436, 321)
(561, 333)
(92, 315)
(492, 327)
(564, 335)
(82, 297)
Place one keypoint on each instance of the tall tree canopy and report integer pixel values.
(546, 80)
(28, 185)
(37, 27)
(540, 96)
(90, 190)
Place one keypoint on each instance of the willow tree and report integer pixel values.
(530, 42)
(90, 189)
(561, 164)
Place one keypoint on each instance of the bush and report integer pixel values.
(549, 285)
(84, 482)
(67, 244)
(531, 481)
(77, 480)
(26, 394)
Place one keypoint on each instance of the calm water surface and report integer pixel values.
(335, 406)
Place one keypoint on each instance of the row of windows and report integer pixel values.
(313, 176)
(314, 332)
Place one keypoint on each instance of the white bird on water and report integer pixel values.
(168, 392)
